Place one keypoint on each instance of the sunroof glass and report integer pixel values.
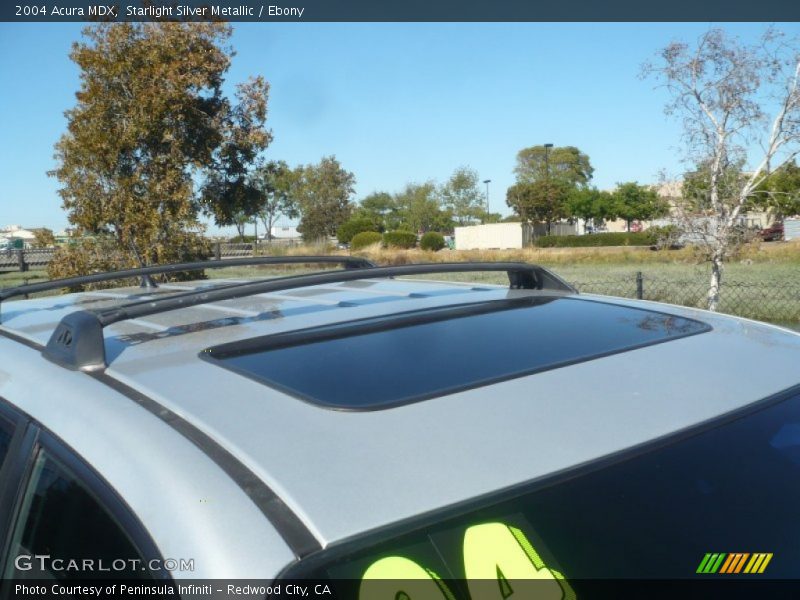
(383, 362)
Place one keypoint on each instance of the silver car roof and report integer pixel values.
(344, 473)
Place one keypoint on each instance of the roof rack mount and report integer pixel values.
(78, 343)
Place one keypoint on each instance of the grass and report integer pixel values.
(762, 282)
(788, 254)
(15, 278)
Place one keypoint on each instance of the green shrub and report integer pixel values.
(364, 239)
(664, 237)
(350, 228)
(432, 241)
(596, 239)
(399, 239)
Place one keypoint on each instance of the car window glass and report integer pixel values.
(6, 433)
(60, 518)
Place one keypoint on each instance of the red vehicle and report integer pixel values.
(772, 233)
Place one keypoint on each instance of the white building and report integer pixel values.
(285, 232)
(16, 232)
(12, 233)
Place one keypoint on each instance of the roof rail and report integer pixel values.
(77, 342)
(350, 262)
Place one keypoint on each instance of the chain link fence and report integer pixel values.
(25, 259)
(779, 302)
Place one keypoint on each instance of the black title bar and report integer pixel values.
(400, 10)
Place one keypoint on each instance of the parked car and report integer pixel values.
(376, 436)
(772, 233)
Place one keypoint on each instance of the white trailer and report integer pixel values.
(493, 236)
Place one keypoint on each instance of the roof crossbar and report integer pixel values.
(349, 262)
(78, 343)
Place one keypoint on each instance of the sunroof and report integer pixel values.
(383, 362)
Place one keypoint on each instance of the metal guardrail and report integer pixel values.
(22, 260)
(222, 250)
(231, 250)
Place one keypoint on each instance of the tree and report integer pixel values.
(149, 122)
(780, 192)
(591, 205)
(696, 192)
(420, 209)
(565, 164)
(381, 209)
(43, 238)
(229, 193)
(240, 219)
(323, 195)
(462, 196)
(353, 227)
(634, 202)
(541, 201)
(231, 200)
(276, 185)
(491, 217)
(739, 104)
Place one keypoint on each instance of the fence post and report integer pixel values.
(23, 266)
(639, 286)
(217, 250)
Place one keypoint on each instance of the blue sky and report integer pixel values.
(394, 102)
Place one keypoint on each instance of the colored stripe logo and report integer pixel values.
(735, 562)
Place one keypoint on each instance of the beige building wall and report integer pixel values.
(672, 192)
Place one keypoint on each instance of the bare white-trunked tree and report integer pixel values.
(740, 108)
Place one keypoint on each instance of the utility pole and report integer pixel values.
(487, 182)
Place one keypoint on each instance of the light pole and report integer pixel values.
(547, 161)
(547, 176)
(487, 182)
